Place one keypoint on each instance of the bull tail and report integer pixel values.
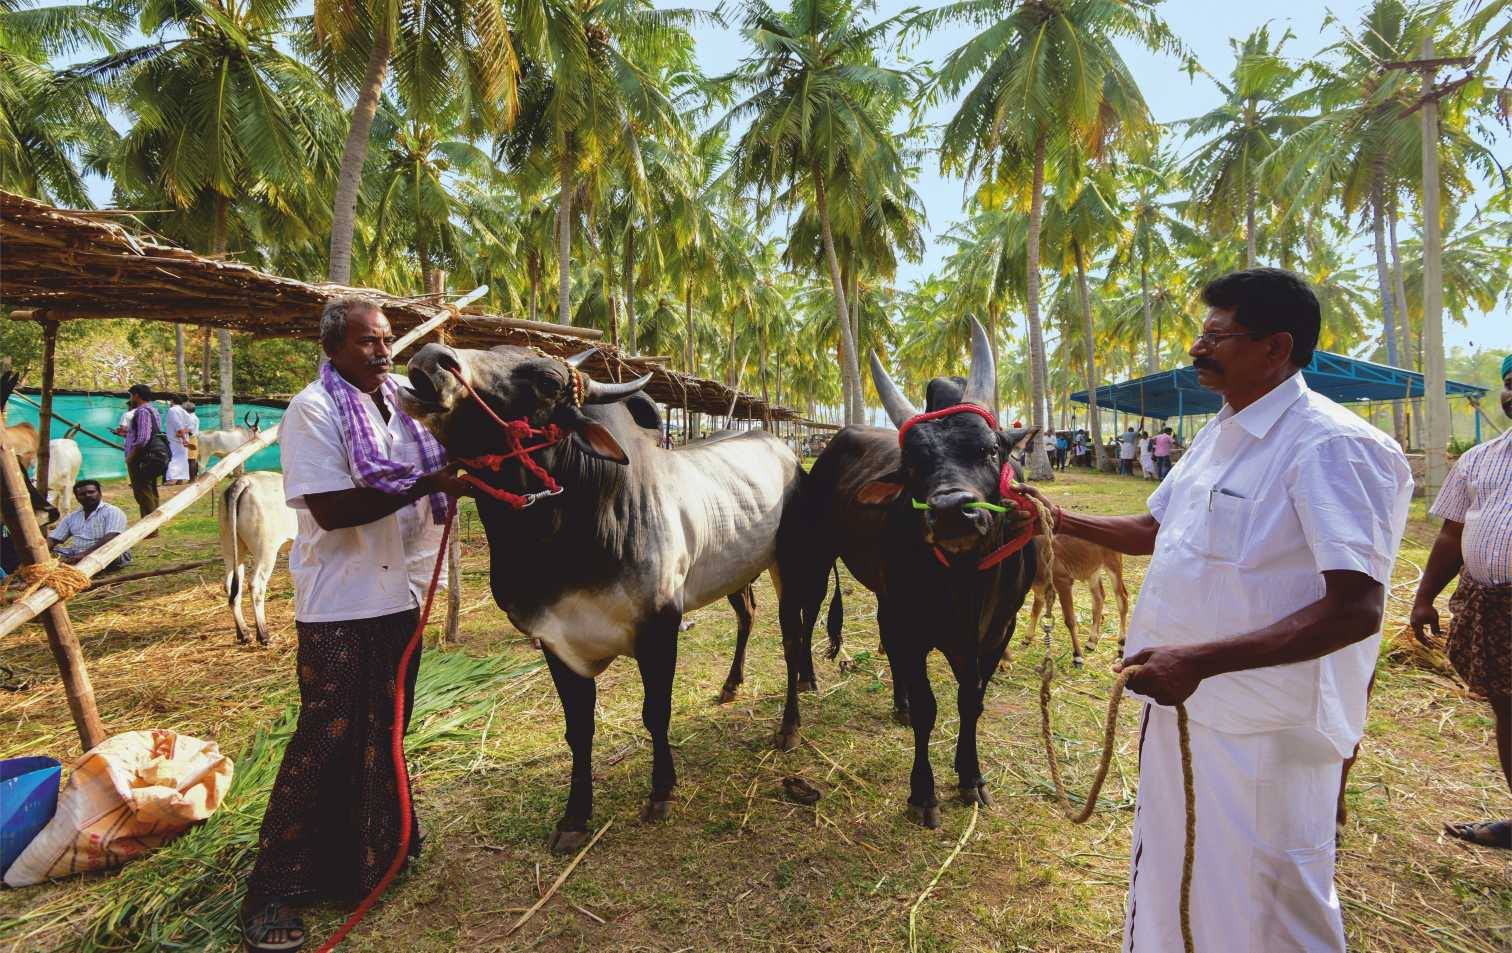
(835, 620)
(233, 553)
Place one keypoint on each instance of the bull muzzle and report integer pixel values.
(953, 524)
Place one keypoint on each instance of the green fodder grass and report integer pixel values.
(185, 896)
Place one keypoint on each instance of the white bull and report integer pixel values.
(255, 523)
(218, 443)
(64, 459)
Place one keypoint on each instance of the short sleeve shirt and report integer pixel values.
(83, 530)
(1260, 506)
(1478, 493)
(357, 572)
(1163, 445)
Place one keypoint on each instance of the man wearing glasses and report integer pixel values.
(1273, 540)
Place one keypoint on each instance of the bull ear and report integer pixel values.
(880, 492)
(595, 439)
(1016, 441)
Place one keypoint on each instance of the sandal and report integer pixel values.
(1483, 833)
(273, 918)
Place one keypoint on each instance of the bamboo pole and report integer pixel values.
(44, 413)
(24, 610)
(22, 524)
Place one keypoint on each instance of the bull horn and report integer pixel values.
(897, 406)
(981, 385)
(600, 393)
(576, 360)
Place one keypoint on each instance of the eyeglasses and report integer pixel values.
(1211, 338)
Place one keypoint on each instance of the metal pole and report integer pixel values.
(22, 524)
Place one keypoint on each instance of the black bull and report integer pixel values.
(858, 504)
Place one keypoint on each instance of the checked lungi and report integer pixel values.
(1480, 637)
(332, 822)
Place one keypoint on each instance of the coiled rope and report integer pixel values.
(67, 581)
(1046, 563)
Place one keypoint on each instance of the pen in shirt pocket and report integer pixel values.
(1221, 491)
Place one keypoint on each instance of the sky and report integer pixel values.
(1205, 27)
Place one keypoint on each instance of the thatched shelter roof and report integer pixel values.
(79, 265)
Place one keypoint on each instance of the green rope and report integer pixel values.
(978, 505)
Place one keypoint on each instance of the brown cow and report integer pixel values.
(20, 439)
(1077, 560)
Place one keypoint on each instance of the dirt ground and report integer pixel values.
(738, 867)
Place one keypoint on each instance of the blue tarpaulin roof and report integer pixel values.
(1176, 393)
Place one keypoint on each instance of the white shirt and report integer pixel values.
(359, 572)
(181, 419)
(87, 529)
(1258, 508)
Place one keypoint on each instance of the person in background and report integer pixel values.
(1272, 546)
(1127, 449)
(1146, 455)
(1475, 542)
(145, 423)
(85, 529)
(1062, 450)
(177, 425)
(120, 428)
(1083, 447)
(191, 437)
(1164, 441)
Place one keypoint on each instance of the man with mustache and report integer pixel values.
(369, 487)
(1475, 542)
(1273, 539)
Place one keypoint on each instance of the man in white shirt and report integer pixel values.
(180, 426)
(1273, 541)
(89, 527)
(366, 484)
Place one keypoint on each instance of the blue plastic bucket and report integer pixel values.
(28, 798)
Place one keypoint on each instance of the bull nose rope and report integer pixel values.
(1110, 728)
(515, 434)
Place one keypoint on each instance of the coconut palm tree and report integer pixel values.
(1260, 109)
(1046, 84)
(436, 49)
(1156, 228)
(810, 97)
(224, 127)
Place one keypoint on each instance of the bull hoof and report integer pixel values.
(924, 816)
(242, 638)
(263, 638)
(807, 685)
(902, 717)
(654, 811)
(975, 794)
(1076, 661)
(727, 694)
(785, 739)
(566, 842)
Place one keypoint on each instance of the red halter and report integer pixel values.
(515, 434)
(1005, 486)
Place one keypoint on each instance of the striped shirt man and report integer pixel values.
(144, 420)
(83, 531)
(1478, 493)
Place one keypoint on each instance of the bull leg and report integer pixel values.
(910, 665)
(1036, 608)
(656, 654)
(1121, 591)
(791, 616)
(801, 586)
(260, 578)
(969, 692)
(886, 623)
(1099, 597)
(578, 695)
(1063, 589)
(235, 583)
(744, 604)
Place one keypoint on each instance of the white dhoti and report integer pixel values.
(178, 462)
(1263, 875)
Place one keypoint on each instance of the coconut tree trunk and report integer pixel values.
(1095, 419)
(353, 155)
(564, 246)
(1149, 319)
(1038, 459)
(629, 278)
(690, 420)
(852, 397)
(1388, 300)
(533, 271)
(181, 372)
(850, 372)
(205, 360)
(607, 249)
(1404, 323)
(222, 336)
(1249, 226)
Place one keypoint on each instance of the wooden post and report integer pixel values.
(22, 524)
(44, 413)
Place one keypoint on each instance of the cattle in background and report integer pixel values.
(20, 439)
(637, 535)
(218, 443)
(255, 524)
(910, 524)
(64, 460)
(1077, 560)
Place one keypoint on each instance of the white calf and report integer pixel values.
(63, 462)
(255, 523)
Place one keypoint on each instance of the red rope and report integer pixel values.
(1005, 485)
(515, 433)
(396, 747)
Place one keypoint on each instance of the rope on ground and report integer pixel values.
(913, 911)
(64, 579)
